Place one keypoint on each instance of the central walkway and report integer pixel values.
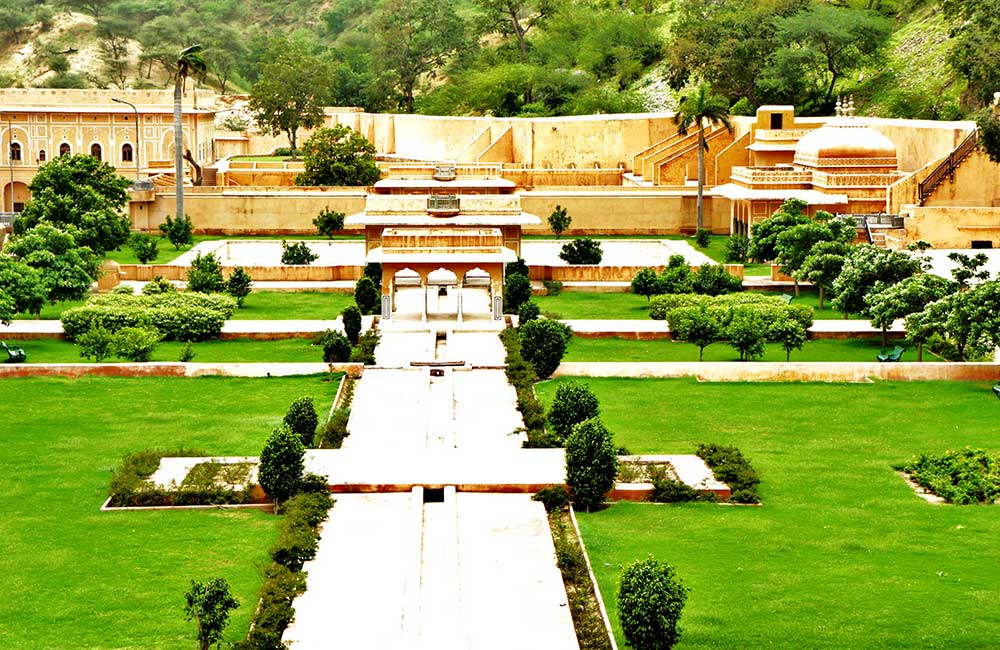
(435, 566)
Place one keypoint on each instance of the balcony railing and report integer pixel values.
(445, 172)
(143, 185)
(876, 219)
(7, 219)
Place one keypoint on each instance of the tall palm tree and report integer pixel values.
(189, 62)
(698, 108)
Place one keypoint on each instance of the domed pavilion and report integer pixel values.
(845, 166)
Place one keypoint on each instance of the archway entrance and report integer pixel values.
(442, 292)
(14, 201)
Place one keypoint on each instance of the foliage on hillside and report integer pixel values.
(905, 58)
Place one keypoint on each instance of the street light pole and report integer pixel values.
(138, 148)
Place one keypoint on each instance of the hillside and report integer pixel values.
(573, 56)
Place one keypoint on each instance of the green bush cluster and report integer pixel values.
(176, 316)
(650, 600)
(554, 498)
(364, 351)
(283, 578)
(516, 292)
(297, 253)
(335, 430)
(129, 486)
(732, 468)
(770, 307)
(302, 419)
(591, 463)
(583, 250)
(543, 343)
(522, 377)
(678, 278)
(573, 403)
(963, 476)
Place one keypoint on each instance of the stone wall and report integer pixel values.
(952, 227)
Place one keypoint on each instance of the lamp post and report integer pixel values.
(138, 148)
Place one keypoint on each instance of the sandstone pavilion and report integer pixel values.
(842, 167)
(447, 230)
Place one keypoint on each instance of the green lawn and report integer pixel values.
(621, 349)
(577, 305)
(288, 305)
(79, 578)
(843, 555)
(229, 351)
(809, 296)
(168, 253)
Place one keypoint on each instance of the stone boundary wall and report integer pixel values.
(176, 369)
(720, 371)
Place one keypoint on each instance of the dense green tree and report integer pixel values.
(819, 47)
(794, 245)
(747, 333)
(82, 195)
(205, 274)
(66, 269)
(338, 156)
(696, 110)
(702, 327)
(328, 222)
(650, 601)
(366, 295)
(180, 231)
(412, 39)
(559, 221)
(969, 268)
(573, 403)
(822, 266)
(865, 266)
(988, 121)
(543, 344)
(302, 419)
(513, 18)
(886, 303)
(22, 285)
(789, 333)
(290, 93)
(591, 463)
(351, 318)
(644, 283)
(975, 45)
(764, 234)
(239, 285)
(208, 604)
(516, 292)
(282, 464)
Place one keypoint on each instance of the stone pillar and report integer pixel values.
(388, 293)
(496, 299)
(459, 292)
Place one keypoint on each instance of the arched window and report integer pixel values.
(126, 152)
(41, 155)
(95, 151)
(15, 152)
(64, 149)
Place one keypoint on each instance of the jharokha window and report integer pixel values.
(95, 151)
(64, 149)
(15, 152)
(126, 153)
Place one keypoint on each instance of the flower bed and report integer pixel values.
(963, 477)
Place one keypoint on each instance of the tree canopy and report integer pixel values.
(83, 196)
(338, 156)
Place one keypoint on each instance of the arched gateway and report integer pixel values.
(452, 231)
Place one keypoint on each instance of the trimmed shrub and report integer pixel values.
(675, 278)
(554, 498)
(373, 271)
(747, 332)
(516, 292)
(650, 601)
(205, 274)
(123, 288)
(574, 402)
(158, 284)
(145, 246)
(301, 418)
(178, 232)
(176, 316)
(335, 430)
(187, 353)
(96, 344)
(528, 312)
(366, 296)
(298, 253)
(645, 283)
(520, 266)
(591, 463)
(522, 377)
(239, 285)
(281, 464)
(365, 350)
(703, 237)
(351, 317)
(336, 346)
(329, 222)
(732, 468)
(135, 343)
(738, 249)
(714, 280)
(582, 251)
(543, 344)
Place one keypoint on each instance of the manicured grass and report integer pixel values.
(78, 578)
(842, 555)
(52, 312)
(288, 305)
(621, 349)
(168, 253)
(578, 305)
(228, 351)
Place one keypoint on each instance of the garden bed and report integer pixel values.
(637, 476)
(962, 477)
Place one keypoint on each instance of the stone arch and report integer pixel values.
(127, 152)
(65, 149)
(96, 150)
(14, 201)
(442, 276)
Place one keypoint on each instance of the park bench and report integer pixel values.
(14, 355)
(996, 390)
(896, 353)
(787, 298)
